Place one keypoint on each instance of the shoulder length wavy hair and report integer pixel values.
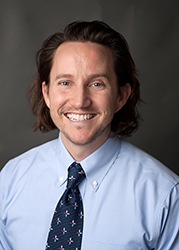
(126, 120)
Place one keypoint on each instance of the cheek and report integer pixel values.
(109, 104)
(55, 100)
(114, 101)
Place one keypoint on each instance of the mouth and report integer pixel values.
(79, 117)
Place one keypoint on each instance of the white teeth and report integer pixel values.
(77, 117)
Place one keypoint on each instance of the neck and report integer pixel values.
(80, 152)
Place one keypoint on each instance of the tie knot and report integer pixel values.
(75, 175)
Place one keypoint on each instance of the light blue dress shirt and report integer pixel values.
(131, 201)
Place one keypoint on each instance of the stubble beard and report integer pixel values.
(96, 136)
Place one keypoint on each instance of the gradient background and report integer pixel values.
(151, 28)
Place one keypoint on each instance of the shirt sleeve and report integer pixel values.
(4, 242)
(169, 230)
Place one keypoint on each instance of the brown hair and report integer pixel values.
(126, 120)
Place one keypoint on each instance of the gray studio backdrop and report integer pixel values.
(152, 30)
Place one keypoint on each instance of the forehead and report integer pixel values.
(88, 52)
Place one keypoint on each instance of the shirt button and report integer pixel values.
(95, 183)
(61, 179)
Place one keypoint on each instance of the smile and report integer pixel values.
(79, 118)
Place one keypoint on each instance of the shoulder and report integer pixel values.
(151, 181)
(142, 164)
(29, 160)
(43, 149)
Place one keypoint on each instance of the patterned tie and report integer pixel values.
(67, 223)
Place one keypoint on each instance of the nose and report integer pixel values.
(81, 97)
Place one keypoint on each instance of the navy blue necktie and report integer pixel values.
(67, 223)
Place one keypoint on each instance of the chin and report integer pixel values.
(82, 138)
(94, 139)
(81, 141)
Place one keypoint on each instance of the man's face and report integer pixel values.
(83, 94)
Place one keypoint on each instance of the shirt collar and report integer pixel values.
(64, 160)
(96, 165)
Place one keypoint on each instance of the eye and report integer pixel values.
(97, 84)
(64, 83)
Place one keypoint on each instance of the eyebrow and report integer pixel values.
(92, 76)
(63, 76)
(99, 75)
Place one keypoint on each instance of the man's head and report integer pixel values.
(125, 120)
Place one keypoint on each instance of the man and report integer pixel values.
(87, 87)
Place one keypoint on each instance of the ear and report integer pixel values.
(45, 92)
(124, 94)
